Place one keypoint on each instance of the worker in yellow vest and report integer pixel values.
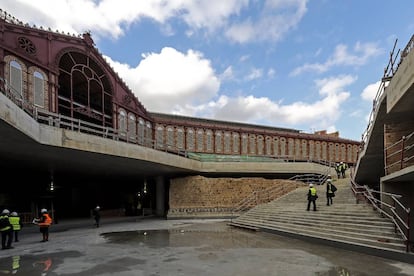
(6, 230)
(312, 196)
(16, 224)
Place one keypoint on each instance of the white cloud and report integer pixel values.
(361, 53)
(112, 17)
(228, 74)
(255, 73)
(281, 13)
(271, 73)
(369, 92)
(171, 81)
(184, 83)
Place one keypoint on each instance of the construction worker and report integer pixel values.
(338, 170)
(330, 192)
(6, 230)
(16, 224)
(312, 196)
(343, 169)
(97, 215)
(44, 222)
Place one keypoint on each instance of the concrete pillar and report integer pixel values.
(160, 196)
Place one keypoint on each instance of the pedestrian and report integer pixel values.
(343, 169)
(97, 215)
(330, 192)
(338, 170)
(312, 197)
(16, 224)
(44, 222)
(6, 230)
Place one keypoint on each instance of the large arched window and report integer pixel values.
(84, 90)
(16, 78)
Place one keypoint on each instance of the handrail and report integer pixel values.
(400, 154)
(402, 226)
(263, 196)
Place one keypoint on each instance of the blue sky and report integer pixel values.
(302, 64)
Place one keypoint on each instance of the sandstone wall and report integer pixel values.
(198, 196)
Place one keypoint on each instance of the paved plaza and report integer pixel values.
(134, 246)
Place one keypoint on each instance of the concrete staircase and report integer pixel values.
(344, 224)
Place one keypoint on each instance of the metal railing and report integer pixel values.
(388, 205)
(400, 154)
(263, 196)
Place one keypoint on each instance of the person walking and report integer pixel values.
(312, 196)
(343, 169)
(338, 170)
(44, 223)
(330, 192)
(16, 224)
(6, 230)
(97, 215)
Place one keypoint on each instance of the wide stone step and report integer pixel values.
(347, 222)
(374, 241)
(324, 217)
(329, 225)
(351, 225)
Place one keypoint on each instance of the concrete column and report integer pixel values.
(160, 196)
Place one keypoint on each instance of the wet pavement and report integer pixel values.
(180, 247)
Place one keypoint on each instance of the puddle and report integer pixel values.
(187, 238)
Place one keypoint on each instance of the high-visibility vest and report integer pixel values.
(6, 227)
(313, 191)
(15, 222)
(46, 221)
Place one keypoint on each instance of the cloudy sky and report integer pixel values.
(303, 64)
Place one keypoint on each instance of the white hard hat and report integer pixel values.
(97, 207)
(43, 211)
(14, 214)
(311, 185)
(5, 211)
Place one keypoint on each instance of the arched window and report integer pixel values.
(236, 143)
(141, 131)
(85, 91)
(132, 127)
(16, 79)
(38, 89)
(227, 142)
(148, 134)
(200, 140)
(219, 141)
(190, 139)
(180, 138)
(209, 140)
(170, 137)
(122, 123)
(159, 136)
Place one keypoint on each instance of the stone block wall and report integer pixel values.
(198, 196)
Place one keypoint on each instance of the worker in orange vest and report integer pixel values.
(44, 222)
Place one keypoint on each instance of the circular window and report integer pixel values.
(27, 45)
